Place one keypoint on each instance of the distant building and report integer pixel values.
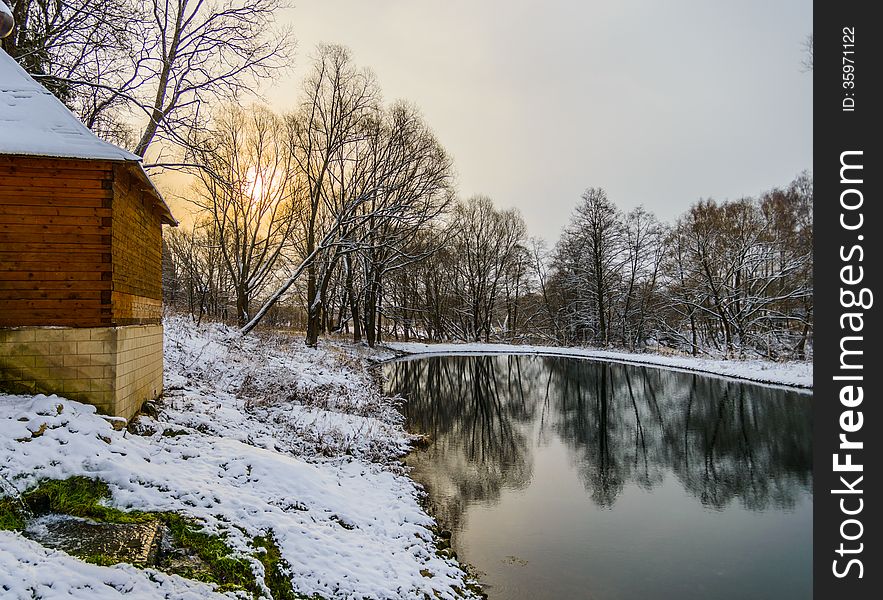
(80, 257)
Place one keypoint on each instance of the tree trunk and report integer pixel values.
(353, 301)
(378, 314)
(242, 307)
(312, 308)
(371, 311)
(156, 111)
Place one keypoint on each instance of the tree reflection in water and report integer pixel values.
(475, 410)
(723, 440)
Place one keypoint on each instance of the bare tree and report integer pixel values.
(785, 318)
(158, 60)
(485, 242)
(204, 52)
(250, 191)
(588, 260)
(426, 288)
(333, 121)
(642, 243)
(742, 274)
(415, 189)
(680, 303)
(194, 277)
(541, 258)
(373, 179)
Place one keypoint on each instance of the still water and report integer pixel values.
(565, 478)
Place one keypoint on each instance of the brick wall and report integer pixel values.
(114, 368)
(139, 365)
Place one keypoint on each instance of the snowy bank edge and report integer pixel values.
(793, 376)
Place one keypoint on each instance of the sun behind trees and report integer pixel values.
(346, 185)
(340, 218)
(250, 193)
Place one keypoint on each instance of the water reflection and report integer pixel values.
(474, 411)
(723, 440)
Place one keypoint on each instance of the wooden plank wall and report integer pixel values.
(137, 252)
(55, 242)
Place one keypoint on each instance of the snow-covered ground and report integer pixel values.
(793, 374)
(267, 436)
(263, 434)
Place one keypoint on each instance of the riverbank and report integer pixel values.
(256, 438)
(791, 374)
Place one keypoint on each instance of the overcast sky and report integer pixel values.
(660, 103)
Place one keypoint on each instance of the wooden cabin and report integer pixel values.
(80, 257)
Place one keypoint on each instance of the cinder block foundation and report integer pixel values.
(115, 368)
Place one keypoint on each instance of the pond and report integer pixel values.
(567, 478)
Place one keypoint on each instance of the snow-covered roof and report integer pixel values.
(33, 122)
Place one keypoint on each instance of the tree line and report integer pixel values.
(341, 218)
(385, 250)
(318, 205)
(731, 279)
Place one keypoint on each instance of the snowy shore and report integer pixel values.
(259, 435)
(255, 435)
(791, 374)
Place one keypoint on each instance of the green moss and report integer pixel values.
(79, 497)
(228, 571)
(10, 514)
(82, 497)
(76, 496)
(102, 560)
(276, 569)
